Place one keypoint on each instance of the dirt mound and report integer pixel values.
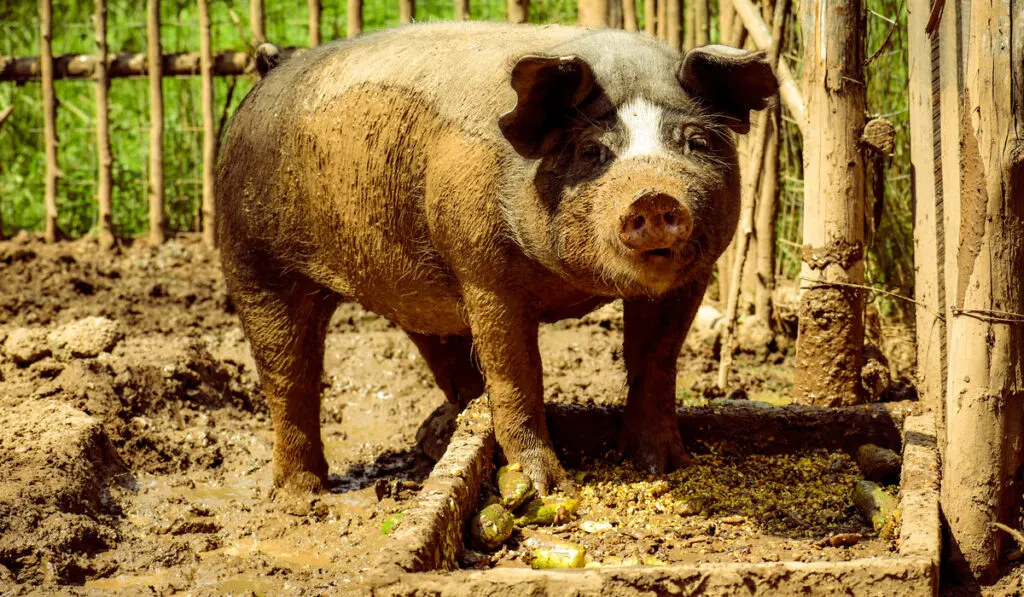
(56, 466)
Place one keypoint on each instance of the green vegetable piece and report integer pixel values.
(515, 487)
(548, 552)
(876, 504)
(490, 527)
(391, 523)
(548, 510)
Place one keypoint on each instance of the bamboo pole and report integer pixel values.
(125, 65)
(157, 217)
(105, 160)
(651, 17)
(673, 23)
(314, 22)
(4, 115)
(768, 202)
(689, 24)
(257, 22)
(831, 326)
(518, 11)
(701, 23)
(53, 172)
(462, 12)
(593, 13)
(758, 145)
(747, 13)
(661, 21)
(355, 16)
(209, 131)
(725, 19)
(406, 11)
(981, 480)
(629, 15)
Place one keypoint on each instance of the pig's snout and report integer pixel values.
(655, 221)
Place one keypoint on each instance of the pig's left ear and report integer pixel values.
(729, 81)
(548, 89)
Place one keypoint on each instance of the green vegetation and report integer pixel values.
(21, 149)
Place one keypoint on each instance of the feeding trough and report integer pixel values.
(423, 558)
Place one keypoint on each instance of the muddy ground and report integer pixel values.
(135, 443)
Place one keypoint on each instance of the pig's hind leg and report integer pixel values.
(653, 337)
(450, 359)
(286, 323)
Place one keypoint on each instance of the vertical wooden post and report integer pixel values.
(929, 276)
(209, 126)
(725, 18)
(701, 23)
(257, 22)
(314, 23)
(764, 224)
(689, 24)
(462, 12)
(355, 17)
(4, 114)
(154, 49)
(662, 21)
(593, 13)
(628, 15)
(406, 11)
(49, 117)
(104, 159)
(518, 11)
(673, 23)
(651, 17)
(831, 328)
(985, 394)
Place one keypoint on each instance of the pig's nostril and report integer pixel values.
(670, 218)
(638, 222)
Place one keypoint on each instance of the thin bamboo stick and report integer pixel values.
(105, 160)
(157, 217)
(257, 22)
(314, 23)
(673, 23)
(209, 214)
(462, 10)
(701, 23)
(690, 23)
(406, 11)
(518, 11)
(651, 17)
(49, 117)
(4, 114)
(661, 21)
(628, 15)
(355, 17)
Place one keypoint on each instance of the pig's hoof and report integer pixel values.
(300, 482)
(547, 473)
(655, 452)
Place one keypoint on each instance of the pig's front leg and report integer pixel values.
(505, 339)
(654, 334)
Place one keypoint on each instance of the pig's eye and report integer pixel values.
(697, 142)
(593, 151)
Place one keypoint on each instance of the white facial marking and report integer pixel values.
(642, 121)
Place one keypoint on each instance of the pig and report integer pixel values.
(469, 181)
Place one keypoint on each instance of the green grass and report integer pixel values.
(22, 163)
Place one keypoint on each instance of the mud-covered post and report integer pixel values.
(257, 22)
(928, 268)
(154, 62)
(593, 13)
(628, 15)
(209, 125)
(49, 117)
(985, 394)
(518, 11)
(354, 10)
(104, 159)
(406, 11)
(314, 22)
(461, 10)
(831, 328)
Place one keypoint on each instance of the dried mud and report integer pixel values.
(145, 469)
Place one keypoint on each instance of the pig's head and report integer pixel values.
(635, 186)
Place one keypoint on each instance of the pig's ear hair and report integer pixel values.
(729, 81)
(548, 89)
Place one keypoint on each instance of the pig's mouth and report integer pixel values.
(657, 254)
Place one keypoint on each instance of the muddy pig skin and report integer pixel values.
(469, 181)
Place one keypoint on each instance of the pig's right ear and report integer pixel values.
(548, 89)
